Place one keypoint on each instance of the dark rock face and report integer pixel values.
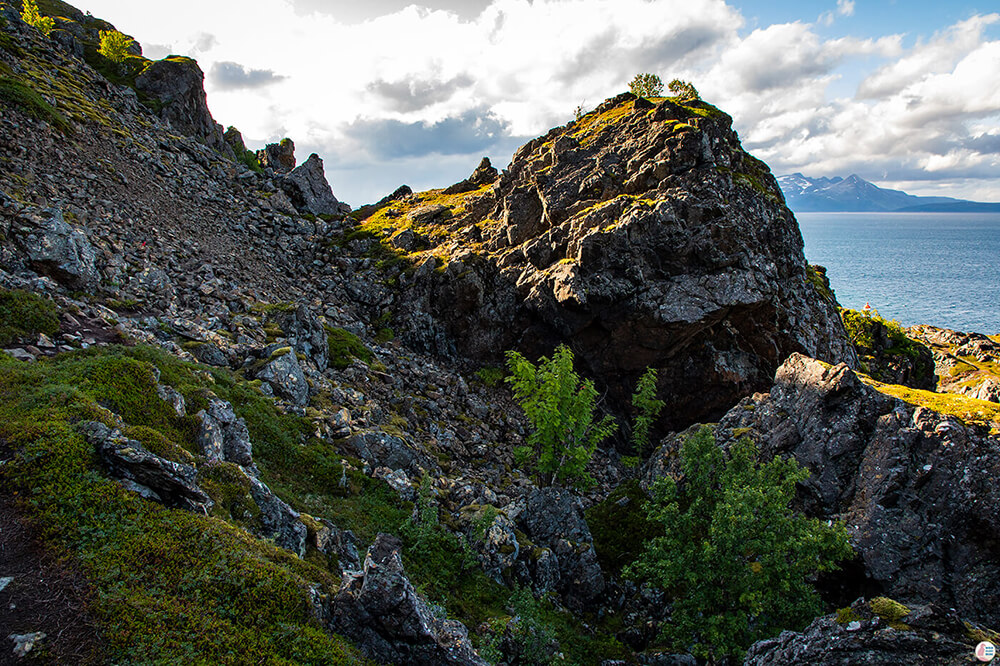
(890, 356)
(914, 487)
(278, 520)
(148, 474)
(46, 243)
(309, 190)
(278, 156)
(284, 374)
(553, 519)
(928, 636)
(179, 84)
(379, 609)
(304, 332)
(640, 237)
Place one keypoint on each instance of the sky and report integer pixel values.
(904, 93)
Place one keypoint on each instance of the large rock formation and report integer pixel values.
(178, 84)
(915, 487)
(640, 236)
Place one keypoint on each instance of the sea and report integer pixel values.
(941, 269)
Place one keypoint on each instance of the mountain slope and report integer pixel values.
(855, 194)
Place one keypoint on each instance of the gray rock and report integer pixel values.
(210, 354)
(278, 520)
(552, 518)
(52, 247)
(379, 609)
(284, 374)
(929, 636)
(25, 643)
(309, 190)
(5, 581)
(304, 332)
(174, 483)
(381, 449)
(329, 539)
(223, 436)
(485, 174)
(173, 398)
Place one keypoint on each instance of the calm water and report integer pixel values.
(918, 268)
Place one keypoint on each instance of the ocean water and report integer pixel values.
(941, 269)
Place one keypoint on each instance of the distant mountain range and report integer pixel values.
(855, 194)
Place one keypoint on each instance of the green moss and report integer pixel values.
(816, 276)
(24, 314)
(620, 527)
(887, 609)
(17, 94)
(344, 346)
(847, 615)
(229, 488)
(384, 335)
(491, 375)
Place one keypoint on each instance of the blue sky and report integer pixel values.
(904, 93)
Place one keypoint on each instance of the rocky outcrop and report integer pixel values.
(640, 236)
(278, 521)
(485, 174)
(913, 486)
(146, 473)
(178, 84)
(282, 372)
(966, 363)
(279, 157)
(888, 354)
(43, 241)
(927, 635)
(379, 609)
(309, 191)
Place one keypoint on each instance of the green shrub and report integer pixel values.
(644, 401)
(24, 314)
(491, 376)
(620, 526)
(683, 91)
(31, 16)
(646, 85)
(734, 556)
(115, 46)
(249, 159)
(560, 408)
(343, 346)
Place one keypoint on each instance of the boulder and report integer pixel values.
(553, 519)
(178, 83)
(381, 449)
(279, 521)
(379, 609)
(223, 436)
(46, 243)
(168, 482)
(310, 192)
(914, 487)
(279, 157)
(281, 370)
(303, 331)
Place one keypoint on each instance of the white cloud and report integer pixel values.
(406, 89)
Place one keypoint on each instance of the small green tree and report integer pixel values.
(33, 17)
(734, 556)
(560, 408)
(648, 407)
(115, 46)
(683, 91)
(646, 85)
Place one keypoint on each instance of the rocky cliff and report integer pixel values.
(642, 235)
(258, 426)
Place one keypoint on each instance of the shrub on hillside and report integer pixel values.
(33, 17)
(115, 46)
(646, 85)
(734, 556)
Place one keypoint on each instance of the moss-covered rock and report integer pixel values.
(887, 353)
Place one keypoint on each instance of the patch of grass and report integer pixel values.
(24, 314)
(344, 346)
(14, 93)
(969, 410)
(171, 585)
